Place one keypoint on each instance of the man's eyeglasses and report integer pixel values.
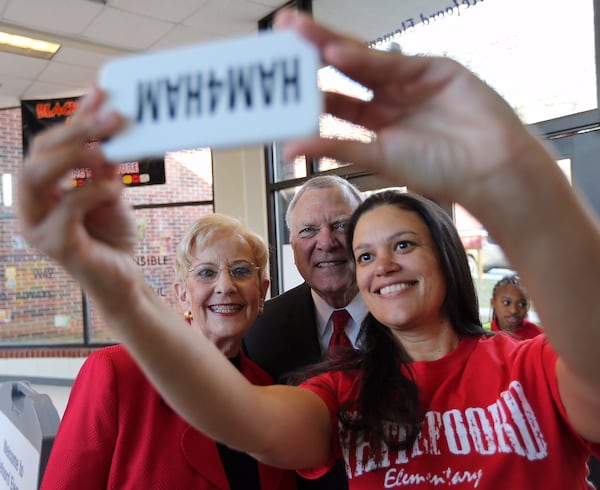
(207, 273)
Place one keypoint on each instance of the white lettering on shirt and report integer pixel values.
(508, 425)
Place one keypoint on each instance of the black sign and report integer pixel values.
(40, 114)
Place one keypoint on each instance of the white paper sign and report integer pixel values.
(242, 91)
(19, 459)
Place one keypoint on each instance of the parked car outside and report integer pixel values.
(483, 252)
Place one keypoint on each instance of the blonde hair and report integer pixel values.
(205, 229)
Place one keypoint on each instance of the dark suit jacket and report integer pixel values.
(117, 432)
(283, 339)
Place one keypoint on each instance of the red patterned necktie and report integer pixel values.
(339, 338)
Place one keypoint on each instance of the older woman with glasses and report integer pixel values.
(118, 432)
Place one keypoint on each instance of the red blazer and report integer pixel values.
(118, 433)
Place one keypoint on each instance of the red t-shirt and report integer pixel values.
(494, 419)
(527, 330)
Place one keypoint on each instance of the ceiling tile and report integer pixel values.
(229, 17)
(160, 9)
(76, 76)
(184, 35)
(272, 4)
(125, 30)
(79, 56)
(43, 90)
(13, 85)
(8, 101)
(21, 66)
(52, 16)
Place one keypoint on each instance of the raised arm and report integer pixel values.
(449, 136)
(90, 231)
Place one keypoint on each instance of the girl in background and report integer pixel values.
(510, 305)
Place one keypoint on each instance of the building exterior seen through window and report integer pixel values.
(39, 302)
(538, 54)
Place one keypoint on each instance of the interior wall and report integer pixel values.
(239, 186)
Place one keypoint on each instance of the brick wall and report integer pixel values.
(37, 352)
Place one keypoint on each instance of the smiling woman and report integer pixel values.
(131, 414)
(222, 306)
(397, 268)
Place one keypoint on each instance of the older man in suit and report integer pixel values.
(297, 327)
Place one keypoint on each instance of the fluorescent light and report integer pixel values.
(28, 46)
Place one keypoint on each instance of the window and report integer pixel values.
(40, 303)
(544, 68)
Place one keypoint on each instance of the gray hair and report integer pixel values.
(351, 193)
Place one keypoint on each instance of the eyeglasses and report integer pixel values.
(208, 273)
